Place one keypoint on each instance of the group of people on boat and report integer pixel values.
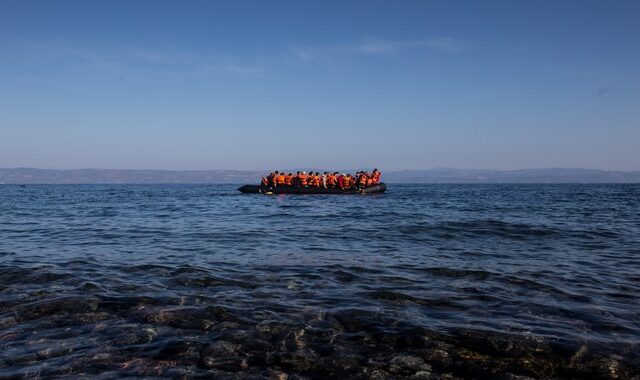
(325, 180)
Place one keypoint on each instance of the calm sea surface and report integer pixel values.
(422, 281)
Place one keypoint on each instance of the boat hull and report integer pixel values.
(256, 189)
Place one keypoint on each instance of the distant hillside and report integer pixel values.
(78, 176)
(554, 175)
(438, 175)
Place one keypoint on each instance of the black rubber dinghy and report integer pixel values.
(373, 189)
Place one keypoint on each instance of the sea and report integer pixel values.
(424, 281)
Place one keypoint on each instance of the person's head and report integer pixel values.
(375, 170)
(290, 174)
(276, 172)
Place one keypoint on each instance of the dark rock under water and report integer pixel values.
(432, 281)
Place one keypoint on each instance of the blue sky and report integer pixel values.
(344, 84)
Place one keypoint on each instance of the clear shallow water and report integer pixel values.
(200, 281)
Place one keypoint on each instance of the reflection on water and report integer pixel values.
(423, 281)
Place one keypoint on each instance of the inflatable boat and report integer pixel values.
(373, 189)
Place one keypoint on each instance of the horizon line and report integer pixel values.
(304, 168)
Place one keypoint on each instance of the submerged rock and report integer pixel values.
(224, 356)
(186, 351)
(408, 365)
(7, 322)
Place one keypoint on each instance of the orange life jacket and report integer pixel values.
(316, 180)
(287, 180)
(369, 182)
(376, 177)
(311, 180)
(362, 180)
(280, 179)
(302, 178)
(346, 182)
(331, 180)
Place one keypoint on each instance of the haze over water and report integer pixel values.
(200, 280)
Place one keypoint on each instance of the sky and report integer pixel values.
(327, 84)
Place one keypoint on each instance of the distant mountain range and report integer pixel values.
(437, 175)
(552, 175)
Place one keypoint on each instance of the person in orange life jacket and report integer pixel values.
(287, 179)
(348, 181)
(280, 179)
(315, 181)
(332, 180)
(362, 180)
(376, 176)
(369, 179)
(302, 179)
